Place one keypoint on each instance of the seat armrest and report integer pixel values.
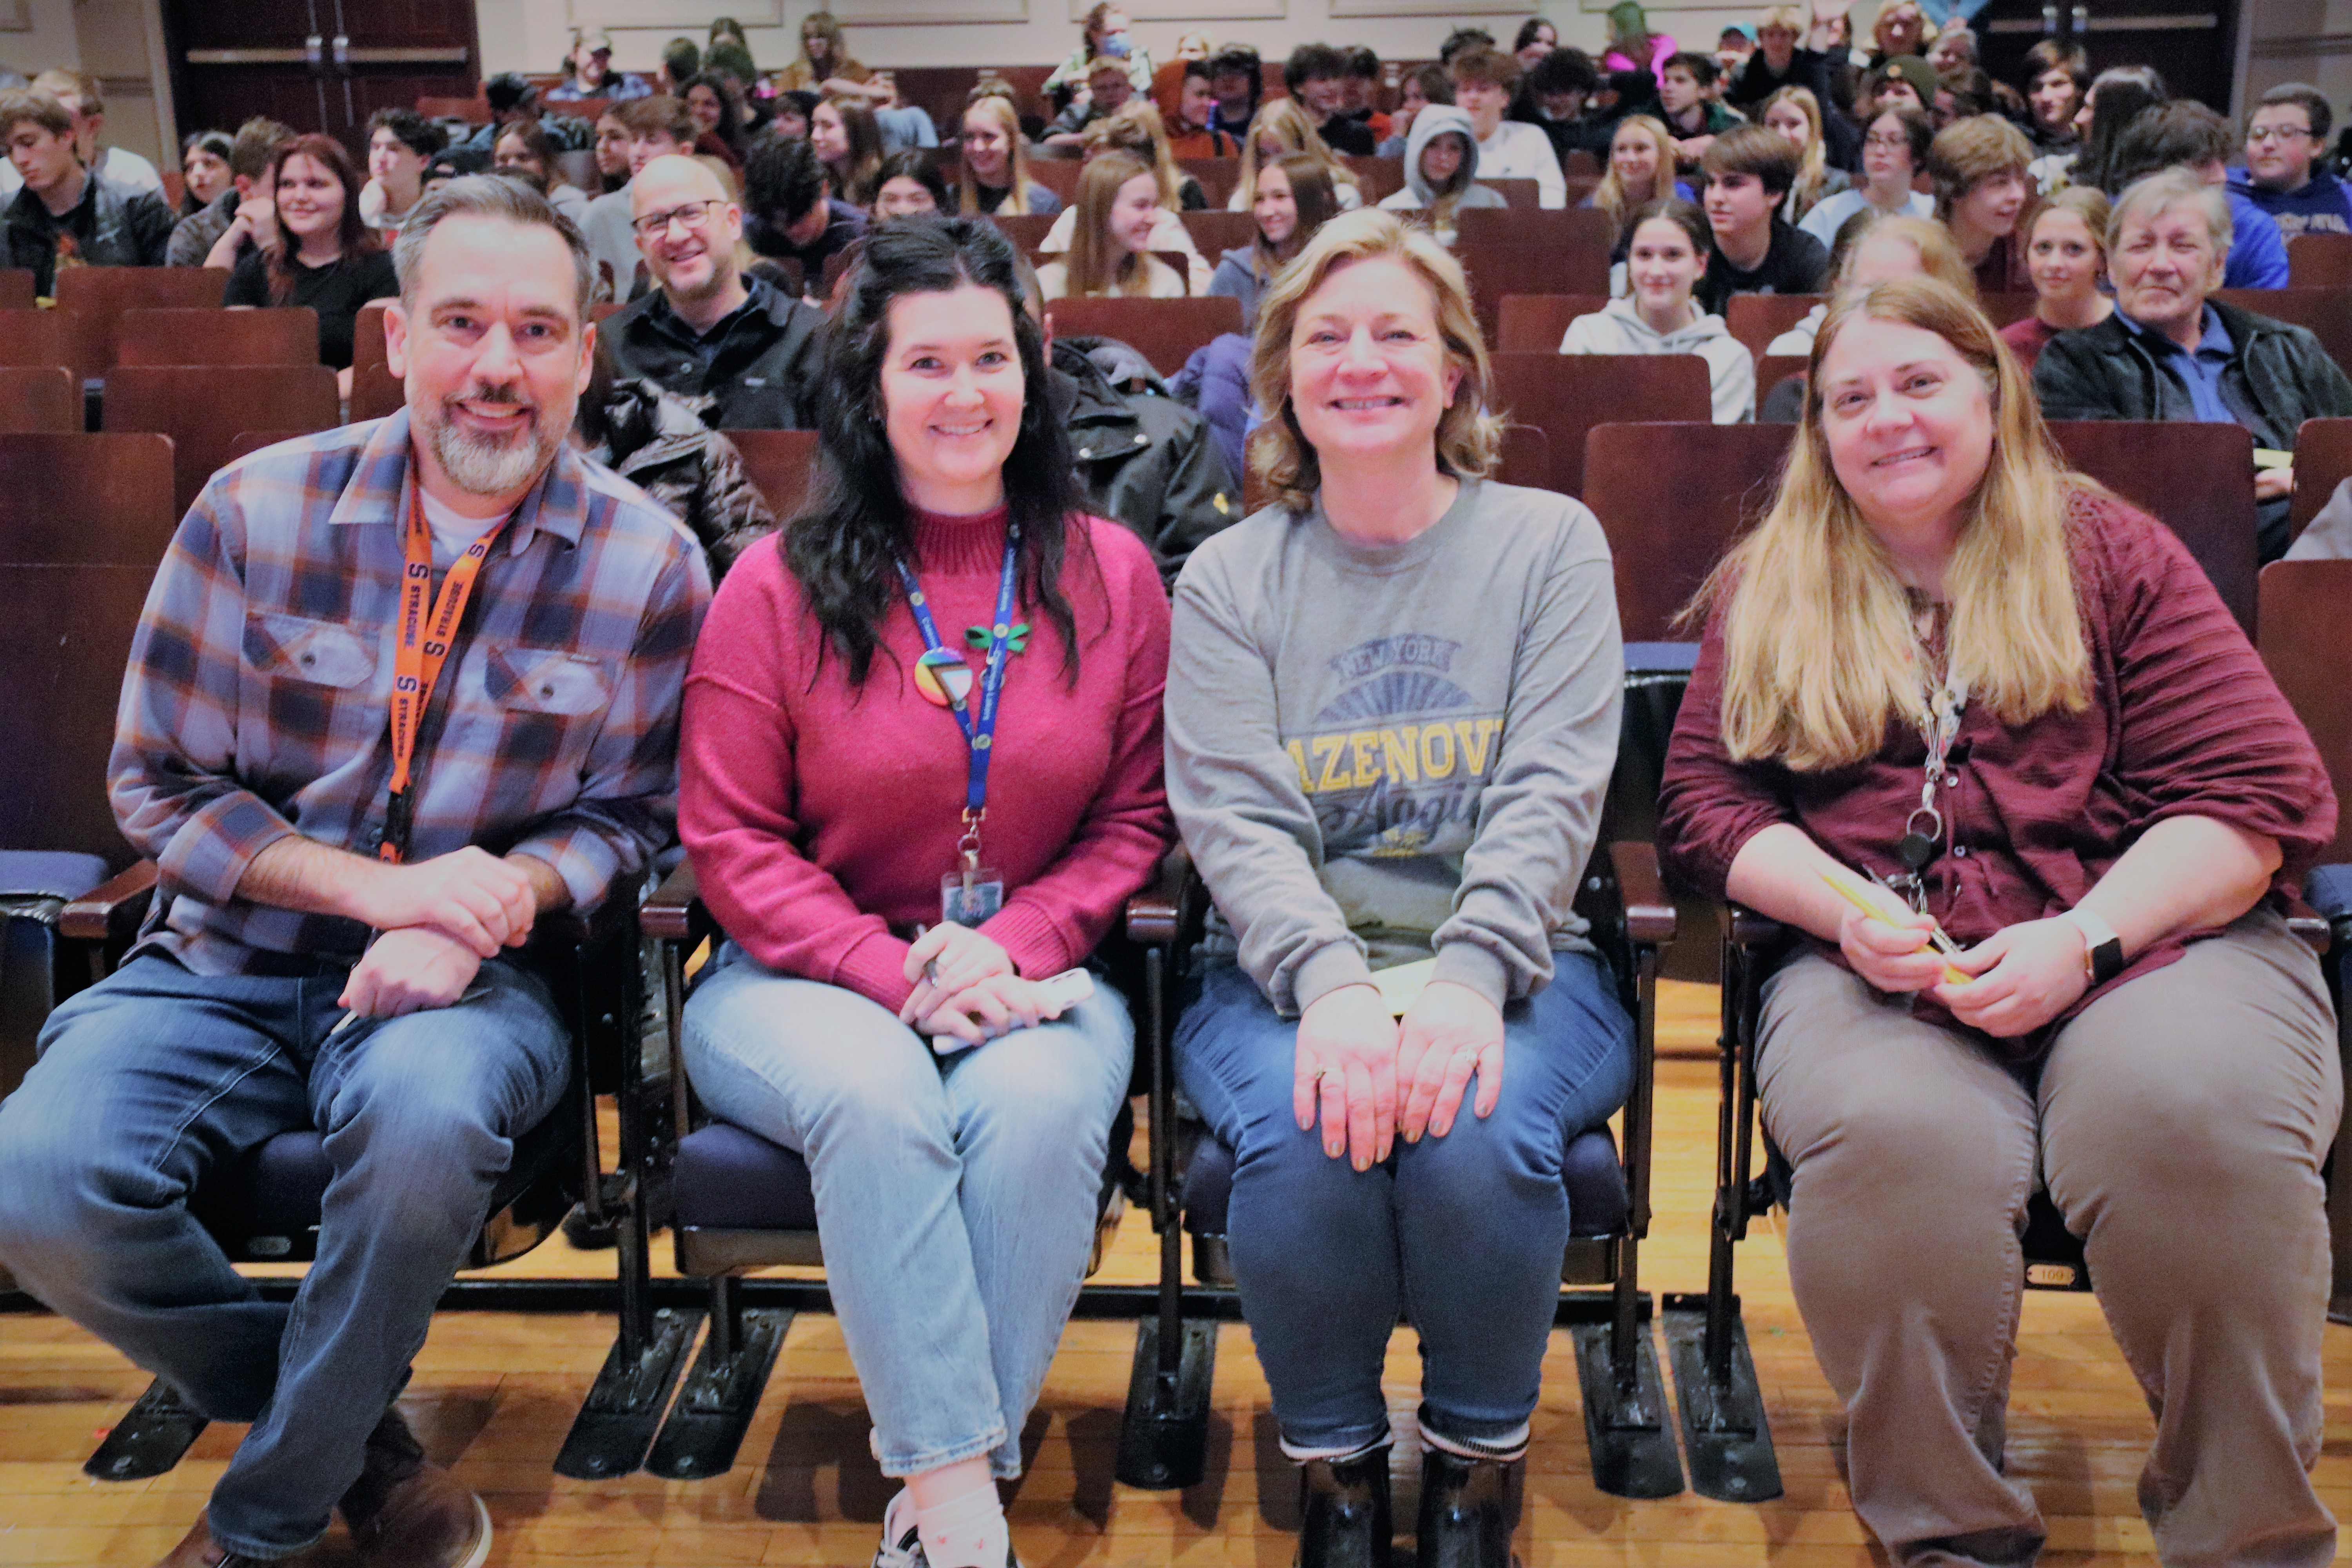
(113, 909)
(2313, 928)
(610, 919)
(1649, 913)
(1743, 927)
(667, 913)
(1155, 914)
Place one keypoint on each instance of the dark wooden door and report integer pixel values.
(318, 65)
(2192, 42)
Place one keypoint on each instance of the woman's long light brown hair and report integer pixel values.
(1096, 265)
(1820, 653)
(1016, 159)
(1611, 195)
(1813, 163)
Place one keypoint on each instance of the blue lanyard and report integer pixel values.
(979, 731)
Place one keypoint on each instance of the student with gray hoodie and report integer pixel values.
(1441, 172)
(1665, 262)
(1392, 709)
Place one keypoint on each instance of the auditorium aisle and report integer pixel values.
(494, 1394)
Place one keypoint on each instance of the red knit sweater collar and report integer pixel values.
(959, 546)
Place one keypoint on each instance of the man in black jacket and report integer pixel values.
(66, 212)
(2169, 351)
(707, 330)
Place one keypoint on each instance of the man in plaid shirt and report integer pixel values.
(290, 973)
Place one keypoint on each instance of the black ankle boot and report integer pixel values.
(1343, 1506)
(1468, 1510)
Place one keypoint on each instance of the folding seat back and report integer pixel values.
(1165, 332)
(285, 334)
(99, 295)
(1535, 323)
(2323, 460)
(15, 289)
(38, 399)
(2196, 480)
(1755, 320)
(204, 408)
(1217, 231)
(1565, 395)
(2320, 261)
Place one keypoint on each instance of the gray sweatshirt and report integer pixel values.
(1379, 753)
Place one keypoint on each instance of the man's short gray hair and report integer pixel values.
(2144, 199)
(486, 195)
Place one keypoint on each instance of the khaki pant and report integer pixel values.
(2179, 1123)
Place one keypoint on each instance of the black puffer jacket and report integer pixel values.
(1143, 458)
(657, 440)
(2278, 376)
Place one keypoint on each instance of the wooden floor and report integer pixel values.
(494, 1394)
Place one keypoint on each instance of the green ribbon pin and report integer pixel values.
(978, 637)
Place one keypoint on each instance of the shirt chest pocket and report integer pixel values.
(551, 682)
(314, 653)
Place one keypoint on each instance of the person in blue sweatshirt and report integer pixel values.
(2285, 137)
(2185, 134)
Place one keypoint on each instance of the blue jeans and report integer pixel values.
(1463, 1234)
(955, 1195)
(155, 1076)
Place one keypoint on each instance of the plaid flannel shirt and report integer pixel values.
(258, 697)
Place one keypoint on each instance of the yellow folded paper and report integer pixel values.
(2270, 458)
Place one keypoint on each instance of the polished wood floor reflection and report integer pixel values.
(495, 1392)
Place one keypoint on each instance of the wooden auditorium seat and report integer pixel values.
(205, 408)
(2323, 459)
(15, 289)
(40, 399)
(1165, 332)
(287, 334)
(2196, 480)
(1535, 323)
(1565, 395)
(1672, 498)
(99, 295)
(2320, 261)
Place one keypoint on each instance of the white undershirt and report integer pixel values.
(452, 534)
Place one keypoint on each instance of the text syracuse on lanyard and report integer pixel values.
(424, 638)
(979, 731)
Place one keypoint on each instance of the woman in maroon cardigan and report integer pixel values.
(1945, 662)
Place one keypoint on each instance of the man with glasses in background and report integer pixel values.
(745, 352)
(2284, 140)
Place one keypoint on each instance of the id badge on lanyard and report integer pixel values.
(427, 631)
(971, 892)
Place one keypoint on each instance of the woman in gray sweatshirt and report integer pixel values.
(1393, 711)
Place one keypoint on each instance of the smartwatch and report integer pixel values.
(2102, 950)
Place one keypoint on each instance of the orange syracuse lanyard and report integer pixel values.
(429, 627)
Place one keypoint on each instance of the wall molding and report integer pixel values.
(15, 15)
(673, 15)
(2295, 47)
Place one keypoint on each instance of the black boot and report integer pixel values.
(1343, 1506)
(1468, 1510)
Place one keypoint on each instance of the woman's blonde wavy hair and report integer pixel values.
(1469, 438)
(1610, 196)
(1819, 654)
(1138, 128)
(1016, 168)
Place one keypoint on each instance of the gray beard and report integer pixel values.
(481, 466)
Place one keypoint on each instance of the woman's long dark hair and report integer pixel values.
(845, 544)
(2118, 96)
(352, 233)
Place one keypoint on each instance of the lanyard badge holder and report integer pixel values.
(971, 894)
(1923, 830)
(427, 631)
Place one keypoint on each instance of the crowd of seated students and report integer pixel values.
(1061, 468)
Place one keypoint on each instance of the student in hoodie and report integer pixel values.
(1666, 260)
(2282, 177)
(1441, 171)
(1294, 198)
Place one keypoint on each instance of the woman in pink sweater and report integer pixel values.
(934, 698)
